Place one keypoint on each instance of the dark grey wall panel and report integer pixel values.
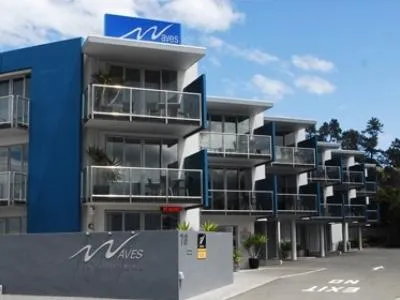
(140, 266)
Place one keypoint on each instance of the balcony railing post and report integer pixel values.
(11, 110)
(166, 107)
(91, 183)
(293, 156)
(92, 101)
(130, 184)
(130, 105)
(167, 186)
(248, 145)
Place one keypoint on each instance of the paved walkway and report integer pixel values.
(246, 280)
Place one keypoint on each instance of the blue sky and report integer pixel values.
(360, 37)
(316, 59)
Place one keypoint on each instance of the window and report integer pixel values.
(230, 124)
(14, 158)
(230, 179)
(135, 220)
(142, 153)
(15, 86)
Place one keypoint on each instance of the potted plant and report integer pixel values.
(300, 251)
(286, 250)
(102, 179)
(209, 226)
(253, 244)
(237, 257)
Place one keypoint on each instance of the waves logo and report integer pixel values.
(123, 251)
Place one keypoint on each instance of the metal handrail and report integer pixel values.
(11, 183)
(14, 115)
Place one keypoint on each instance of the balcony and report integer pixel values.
(240, 202)
(373, 213)
(237, 149)
(13, 188)
(326, 175)
(143, 110)
(14, 115)
(332, 211)
(293, 160)
(297, 203)
(351, 180)
(354, 211)
(369, 188)
(151, 186)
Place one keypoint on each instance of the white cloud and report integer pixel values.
(215, 61)
(312, 63)
(385, 139)
(270, 87)
(314, 85)
(31, 22)
(251, 54)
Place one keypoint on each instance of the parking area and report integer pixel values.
(368, 275)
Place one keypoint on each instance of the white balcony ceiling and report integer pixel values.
(236, 106)
(288, 125)
(179, 57)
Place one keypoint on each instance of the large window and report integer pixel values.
(150, 79)
(15, 86)
(148, 153)
(229, 124)
(135, 220)
(230, 179)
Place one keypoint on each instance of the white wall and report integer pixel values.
(302, 179)
(336, 235)
(300, 135)
(186, 77)
(191, 216)
(187, 147)
(326, 155)
(256, 121)
(13, 139)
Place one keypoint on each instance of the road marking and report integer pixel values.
(378, 268)
(303, 273)
(343, 288)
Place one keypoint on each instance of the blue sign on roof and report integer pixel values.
(142, 29)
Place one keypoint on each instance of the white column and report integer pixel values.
(344, 236)
(322, 239)
(293, 238)
(278, 239)
(360, 239)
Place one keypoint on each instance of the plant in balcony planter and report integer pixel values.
(102, 179)
(106, 96)
(253, 244)
(209, 226)
(237, 257)
(184, 226)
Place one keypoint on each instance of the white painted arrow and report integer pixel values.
(378, 268)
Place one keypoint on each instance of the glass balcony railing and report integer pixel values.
(241, 200)
(372, 212)
(130, 102)
(352, 177)
(297, 202)
(14, 111)
(294, 156)
(325, 173)
(236, 144)
(332, 210)
(154, 185)
(370, 186)
(354, 210)
(13, 187)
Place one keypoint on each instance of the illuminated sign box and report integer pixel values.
(142, 29)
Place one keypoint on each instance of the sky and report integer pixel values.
(315, 59)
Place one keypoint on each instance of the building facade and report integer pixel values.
(115, 134)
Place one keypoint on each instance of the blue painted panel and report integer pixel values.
(54, 133)
(199, 161)
(142, 29)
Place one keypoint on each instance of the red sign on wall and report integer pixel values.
(171, 209)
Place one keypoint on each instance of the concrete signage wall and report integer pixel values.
(167, 265)
(205, 260)
(142, 265)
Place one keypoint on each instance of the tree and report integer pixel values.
(369, 139)
(335, 132)
(311, 131)
(323, 132)
(350, 139)
(393, 154)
